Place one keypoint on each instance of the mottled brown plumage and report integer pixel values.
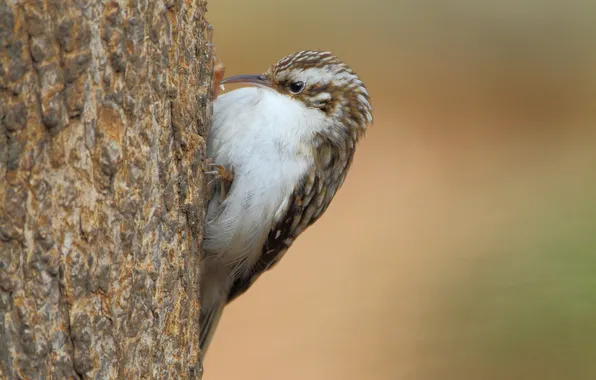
(311, 152)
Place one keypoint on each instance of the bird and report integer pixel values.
(281, 147)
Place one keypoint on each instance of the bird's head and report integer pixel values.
(320, 81)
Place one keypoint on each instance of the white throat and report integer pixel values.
(264, 137)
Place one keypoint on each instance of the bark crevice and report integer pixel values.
(101, 202)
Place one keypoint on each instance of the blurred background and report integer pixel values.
(463, 243)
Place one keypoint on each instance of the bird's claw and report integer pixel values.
(220, 175)
(210, 36)
(218, 75)
(218, 66)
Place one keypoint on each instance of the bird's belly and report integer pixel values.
(236, 228)
(258, 136)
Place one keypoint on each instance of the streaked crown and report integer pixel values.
(322, 81)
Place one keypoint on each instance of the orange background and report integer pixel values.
(463, 243)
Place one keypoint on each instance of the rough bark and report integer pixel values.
(103, 109)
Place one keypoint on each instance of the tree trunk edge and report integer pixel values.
(104, 110)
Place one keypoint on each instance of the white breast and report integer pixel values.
(263, 137)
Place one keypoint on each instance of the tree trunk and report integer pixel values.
(103, 110)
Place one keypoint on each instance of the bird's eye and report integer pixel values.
(296, 87)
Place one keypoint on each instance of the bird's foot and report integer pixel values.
(218, 75)
(221, 175)
(218, 66)
(209, 28)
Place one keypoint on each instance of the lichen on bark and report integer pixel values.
(104, 106)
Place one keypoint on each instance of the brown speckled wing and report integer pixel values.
(309, 201)
(306, 205)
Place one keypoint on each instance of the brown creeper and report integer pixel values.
(289, 140)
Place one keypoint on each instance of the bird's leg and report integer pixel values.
(218, 75)
(221, 175)
(218, 66)
(209, 28)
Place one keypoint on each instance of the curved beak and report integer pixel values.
(259, 80)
